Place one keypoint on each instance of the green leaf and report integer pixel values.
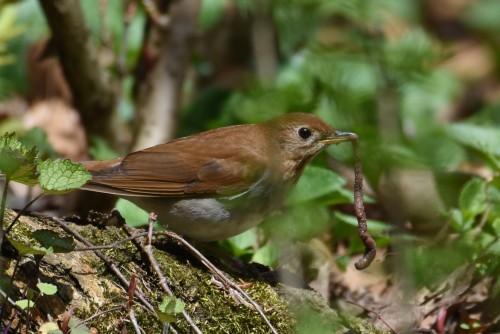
(25, 249)
(210, 13)
(25, 303)
(100, 149)
(36, 137)
(472, 200)
(267, 255)
(47, 289)
(315, 182)
(133, 215)
(300, 222)
(16, 161)
(479, 138)
(345, 73)
(374, 226)
(54, 242)
(496, 226)
(172, 305)
(483, 15)
(61, 176)
(413, 52)
(241, 244)
(81, 329)
(49, 328)
(169, 307)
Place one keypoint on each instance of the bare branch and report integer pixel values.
(161, 71)
(92, 92)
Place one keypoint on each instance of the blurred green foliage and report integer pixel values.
(377, 68)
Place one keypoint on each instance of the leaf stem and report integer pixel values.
(2, 211)
(21, 212)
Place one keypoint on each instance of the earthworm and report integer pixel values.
(359, 209)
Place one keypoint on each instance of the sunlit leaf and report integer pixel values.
(47, 289)
(61, 176)
(133, 215)
(25, 303)
(169, 307)
(16, 161)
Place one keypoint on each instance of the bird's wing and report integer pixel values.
(192, 166)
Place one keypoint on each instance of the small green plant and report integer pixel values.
(169, 308)
(19, 164)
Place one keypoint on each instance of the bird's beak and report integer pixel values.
(339, 137)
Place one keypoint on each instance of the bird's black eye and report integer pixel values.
(304, 133)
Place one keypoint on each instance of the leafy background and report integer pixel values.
(418, 81)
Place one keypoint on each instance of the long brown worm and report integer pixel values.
(359, 209)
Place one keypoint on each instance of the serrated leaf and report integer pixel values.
(169, 307)
(61, 176)
(165, 317)
(47, 289)
(16, 161)
(25, 303)
(53, 241)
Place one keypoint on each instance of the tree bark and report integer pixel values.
(93, 95)
(161, 70)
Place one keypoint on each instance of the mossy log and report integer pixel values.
(86, 283)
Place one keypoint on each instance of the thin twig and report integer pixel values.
(374, 312)
(225, 280)
(113, 245)
(98, 314)
(156, 16)
(148, 250)
(20, 213)
(133, 321)
(3, 203)
(108, 262)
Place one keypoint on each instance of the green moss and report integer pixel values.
(211, 308)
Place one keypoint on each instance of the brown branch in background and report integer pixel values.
(264, 43)
(161, 70)
(93, 95)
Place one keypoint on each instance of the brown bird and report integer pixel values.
(218, 183)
